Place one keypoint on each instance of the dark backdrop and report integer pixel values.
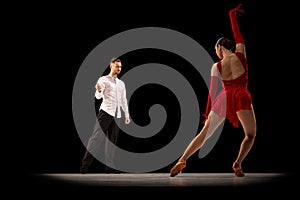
(60, 37)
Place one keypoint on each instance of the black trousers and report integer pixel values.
(110, 127)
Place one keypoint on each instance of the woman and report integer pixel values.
(234, 102)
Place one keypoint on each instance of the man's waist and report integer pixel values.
(112, 111)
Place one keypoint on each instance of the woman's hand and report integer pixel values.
(237, 11)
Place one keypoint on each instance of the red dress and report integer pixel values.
(233, 97)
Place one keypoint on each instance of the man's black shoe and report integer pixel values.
(112, 172)
(83, 169)
(109, 170)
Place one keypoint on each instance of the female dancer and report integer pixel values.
(234, 102)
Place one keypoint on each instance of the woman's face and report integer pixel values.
(219, 51)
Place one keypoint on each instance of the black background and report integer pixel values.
(57, 38)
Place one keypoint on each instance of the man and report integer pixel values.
(113, 92)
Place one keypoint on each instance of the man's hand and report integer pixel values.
(127, 120)
(98, 87)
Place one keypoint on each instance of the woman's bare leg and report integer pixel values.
(248, 121)
(211, 124)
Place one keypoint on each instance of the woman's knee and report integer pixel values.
(250, 135)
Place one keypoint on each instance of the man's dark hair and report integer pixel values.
(115, 60)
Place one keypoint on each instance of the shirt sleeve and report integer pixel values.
(99, 95)
(124, 101)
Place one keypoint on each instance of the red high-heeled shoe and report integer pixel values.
(180, 165)
(237, 170)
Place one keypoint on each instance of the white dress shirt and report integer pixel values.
(113, 92)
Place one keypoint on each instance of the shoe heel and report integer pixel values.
(237, 170)
(177, 168)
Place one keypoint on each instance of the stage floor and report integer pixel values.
(152, 185)
(162, 179)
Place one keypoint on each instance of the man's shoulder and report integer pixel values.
(121, 81)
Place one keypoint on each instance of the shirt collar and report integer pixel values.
(112, 77)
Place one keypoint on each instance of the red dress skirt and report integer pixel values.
(235, 95)
(233, 98)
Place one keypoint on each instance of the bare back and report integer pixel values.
(232, 67)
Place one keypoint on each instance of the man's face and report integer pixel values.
(116, 67)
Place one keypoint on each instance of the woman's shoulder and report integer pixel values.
(241, 56)
(216, 68)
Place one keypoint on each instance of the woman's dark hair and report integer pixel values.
(227, 43)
